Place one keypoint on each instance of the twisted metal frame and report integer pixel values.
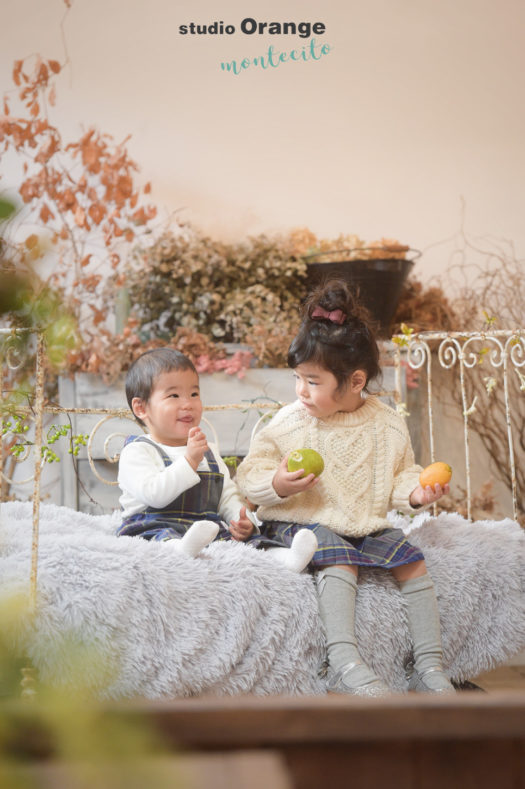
(504, 349)
(507, 351)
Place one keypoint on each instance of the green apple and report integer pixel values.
(308, 459)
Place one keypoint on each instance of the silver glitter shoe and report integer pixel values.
(417, 681)
(339, 682)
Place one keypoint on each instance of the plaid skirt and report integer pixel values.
(385, 548)
(170, 529)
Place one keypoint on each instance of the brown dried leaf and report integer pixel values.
(41, 125)
(90, 283)
(124, 189)
(67, 199)
(28, 191)
(17, 68)
(80, 216)
(31, 241)
(139, 216)
(46, 214)
(47, 151)
(97, 212)
(91, 156)
(54, 65)
(85, 261)
(98, 315)
(43, 74)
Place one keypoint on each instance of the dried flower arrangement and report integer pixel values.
(108, 355)
(307, 245)
(82, 194)
(199, 295)
(424, 308)
(187, 290)
(227, 292)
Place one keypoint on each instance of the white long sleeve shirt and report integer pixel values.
(146, 482)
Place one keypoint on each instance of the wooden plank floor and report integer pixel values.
(470, 740)
(502, 678)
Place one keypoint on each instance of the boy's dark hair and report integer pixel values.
(337, 333)
(144, 372)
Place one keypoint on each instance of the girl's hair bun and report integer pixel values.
(337, 333)
(336, 296)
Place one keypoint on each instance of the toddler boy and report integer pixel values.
(175, 486)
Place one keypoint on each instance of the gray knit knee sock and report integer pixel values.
(425, 628)
(336, 590)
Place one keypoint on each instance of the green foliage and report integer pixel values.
(404, 340)
(29, 304)
(225, 291)
(17, 426)
(65, 736)
(7, 208)
(232, 461)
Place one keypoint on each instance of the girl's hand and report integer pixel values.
(243, 528)
(196, 447)
(421, 496)
(286, 483)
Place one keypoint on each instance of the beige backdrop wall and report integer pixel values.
(417, 107)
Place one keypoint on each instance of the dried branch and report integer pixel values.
(488, 278)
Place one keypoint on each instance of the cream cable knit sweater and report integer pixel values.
(369, 468)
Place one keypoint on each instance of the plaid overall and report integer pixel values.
(201, 502)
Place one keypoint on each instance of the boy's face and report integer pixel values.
(173, 408)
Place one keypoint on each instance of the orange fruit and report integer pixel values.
(436, 474)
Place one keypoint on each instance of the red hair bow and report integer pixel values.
(336, 316)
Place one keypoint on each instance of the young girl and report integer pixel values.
(369, 469)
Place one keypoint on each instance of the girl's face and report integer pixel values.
(316, 388)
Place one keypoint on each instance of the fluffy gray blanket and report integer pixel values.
(232, 621)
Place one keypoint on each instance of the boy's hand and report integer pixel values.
(421, 496)
(286, 483)
(243, 528)
(196, 447)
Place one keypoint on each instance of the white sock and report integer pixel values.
(300, 552)
(198, 536)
